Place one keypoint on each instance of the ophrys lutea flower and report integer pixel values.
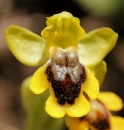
(99, 117)
(67, 54)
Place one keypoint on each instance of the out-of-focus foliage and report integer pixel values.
(100, 7)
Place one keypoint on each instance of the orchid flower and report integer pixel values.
(67, 57)
(99, 117)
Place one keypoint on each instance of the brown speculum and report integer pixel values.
(66, 75)
(98, 117)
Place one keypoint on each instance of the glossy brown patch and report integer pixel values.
(66, 75)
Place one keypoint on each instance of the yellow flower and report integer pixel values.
(66, 53)
(99, 117)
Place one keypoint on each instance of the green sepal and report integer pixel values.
(26, 46)
(100, 71)
(96, 45)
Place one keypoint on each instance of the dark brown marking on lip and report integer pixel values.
(101, 121)
(65, 90)
(66, 74)
(101, 124)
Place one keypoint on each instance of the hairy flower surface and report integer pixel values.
(99, 117)
(70, 59)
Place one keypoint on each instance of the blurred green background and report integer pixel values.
(32, 14)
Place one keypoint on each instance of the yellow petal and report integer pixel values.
(80, 108)
(84, 126)
(91, 85)
(111, 100)
(74, 123)
(39, 82)
(117, 123)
